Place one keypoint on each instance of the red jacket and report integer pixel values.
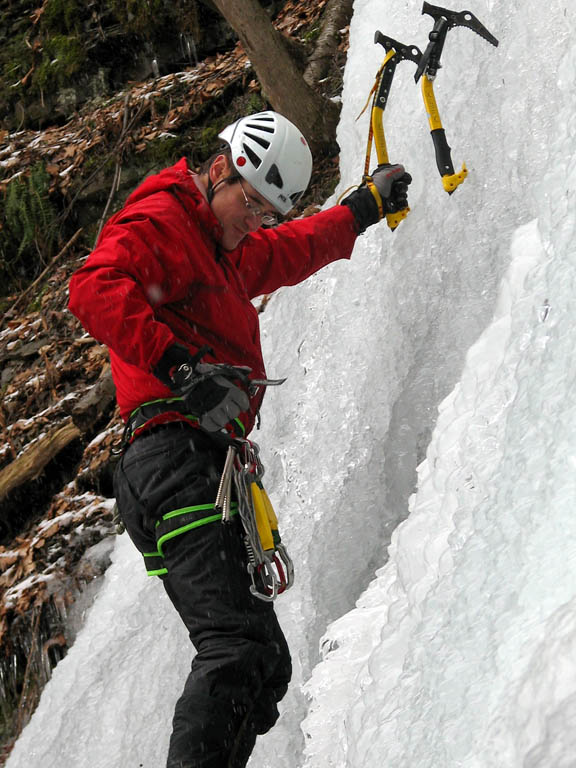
(157, 277)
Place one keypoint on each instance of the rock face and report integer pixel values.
(55, 57)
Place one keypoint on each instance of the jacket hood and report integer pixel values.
(178, 174)
(181, 181)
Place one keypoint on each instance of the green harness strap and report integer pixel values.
(175, 523)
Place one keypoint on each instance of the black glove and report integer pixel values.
(207, 389)
(387, 189)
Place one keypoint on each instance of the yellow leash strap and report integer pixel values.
(376, 135)
(371, 95)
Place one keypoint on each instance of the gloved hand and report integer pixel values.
(208, 389)
(386, 191)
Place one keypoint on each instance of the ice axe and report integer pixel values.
(428, 66)
(395, 52)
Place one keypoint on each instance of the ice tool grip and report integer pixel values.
(392, 219)
(450, 179)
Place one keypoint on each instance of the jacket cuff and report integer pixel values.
(364, 207)
(172, 358)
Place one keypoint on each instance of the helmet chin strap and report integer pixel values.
(213, 187)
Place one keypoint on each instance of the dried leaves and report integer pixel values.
(41, 561)
(63, 149)
(47, 364)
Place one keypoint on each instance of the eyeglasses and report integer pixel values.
(268, 219)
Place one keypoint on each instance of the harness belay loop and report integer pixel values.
(269, 564)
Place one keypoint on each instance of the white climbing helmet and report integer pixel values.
(272, 155)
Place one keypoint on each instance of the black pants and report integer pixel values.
(242, 667)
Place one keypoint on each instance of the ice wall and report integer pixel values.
(370, 347)
(462, 651)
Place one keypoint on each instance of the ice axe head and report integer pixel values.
(459, 19)
(410, 52)
(444, 20)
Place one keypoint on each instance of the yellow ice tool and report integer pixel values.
(428, 66)
(395, 52)
(266, 520)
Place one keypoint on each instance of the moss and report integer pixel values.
(92, 162)
(310, 36)
(256, 103)
(16, 59)
(163, 151)
(66, 40)
(53, 52)
(36, 304)
(62, 58)
(62, 16)
(5, 304)
(141, 16)
(162, 105)
(28, 229)
(208, 139)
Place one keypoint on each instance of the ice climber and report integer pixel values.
(169, 289)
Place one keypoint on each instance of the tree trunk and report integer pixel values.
(336, 15)
(32, 463)
(281, 81)
(85, 414)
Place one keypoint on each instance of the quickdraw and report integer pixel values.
(428, 64)
(269, 565)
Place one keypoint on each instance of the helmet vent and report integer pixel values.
(264, 143)
(260, 127)
(273, 176)
(296, 196)
(252, 156)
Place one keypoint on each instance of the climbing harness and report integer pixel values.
(428, 67)
(269, 565)
(428, 64)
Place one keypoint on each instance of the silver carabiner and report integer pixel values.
(269, 581)
(288, 564)
(223, 497)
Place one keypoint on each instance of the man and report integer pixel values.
(169, 290)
